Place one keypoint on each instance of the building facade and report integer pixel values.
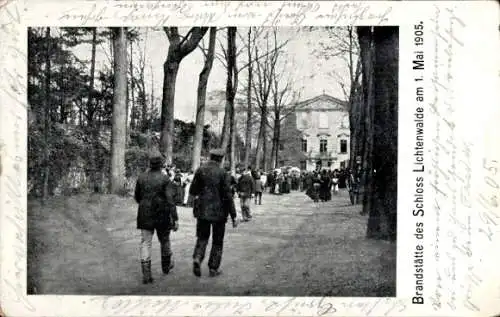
(322, 135)
(315, 135)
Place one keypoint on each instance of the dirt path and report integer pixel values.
(292, 247)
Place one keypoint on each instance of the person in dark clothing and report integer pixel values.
(271, 181)
(246, 190)
(213, 203)
(179, 189)
(154, 192)
(325, 186)
(259, 188)
(316, 182)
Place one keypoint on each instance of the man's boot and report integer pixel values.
(198, 256)
(146, 272)
(167, 263)
(215, 260)
(214, 273)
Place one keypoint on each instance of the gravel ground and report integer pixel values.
(293, 247)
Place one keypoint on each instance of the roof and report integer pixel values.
(216, 101)
(307, 104)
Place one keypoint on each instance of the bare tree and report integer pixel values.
(248, 130)
(284, 103)
(265, 69)
(46, 117)
(179, 48)
(202, 94)
(367, 53)
(94, 128)
(119, 118)
(139, 83)
(248, 43)
(382, 215)
(228, 129)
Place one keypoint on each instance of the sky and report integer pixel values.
(310, 72)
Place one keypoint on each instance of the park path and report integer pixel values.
(292, 247)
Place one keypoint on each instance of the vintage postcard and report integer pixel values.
(249, 158)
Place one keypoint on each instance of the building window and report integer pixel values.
(282, 146)
(343, 146)
(304, 145)
(323, 145)
(303, 165)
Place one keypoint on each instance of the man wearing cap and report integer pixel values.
(213, 203)
(154, 192)
(246, 189)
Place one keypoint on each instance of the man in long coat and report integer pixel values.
(154, 192)
(213, 203)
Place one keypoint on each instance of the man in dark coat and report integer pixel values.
(270, 182)
(154, 192)
(246, 190)
(213, 203)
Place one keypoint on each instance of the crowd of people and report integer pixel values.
(211, 192)
(319, 184)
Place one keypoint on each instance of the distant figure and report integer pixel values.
(271, 181)
(278, 187)
(187, 185)
(246, 189)
(335, 182)
(263, 179)
(211, 206)
(316, 181)
(179, 193)
(154, 193)
(259, 188)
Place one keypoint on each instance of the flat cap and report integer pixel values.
(217, 152)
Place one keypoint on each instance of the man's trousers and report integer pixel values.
(203, 228)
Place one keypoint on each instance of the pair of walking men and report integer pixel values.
(213, 204)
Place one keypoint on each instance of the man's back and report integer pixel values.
(246, 184)
(151, 184)
(154, 194)
(211, 187)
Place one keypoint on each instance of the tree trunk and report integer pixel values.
(261, 140)
(232, 145)
(366, 52)
(275, 142)
(264, 149)
(200, 106)
(94, 130)
(385, 134)
(231, 86)
(167, 115)
(177, 50)
(131, 126)
(46, 118)
(119, 118)
(277, 127)
(248, 130)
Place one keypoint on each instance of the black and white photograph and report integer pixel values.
(221, 161)
(249, 158)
